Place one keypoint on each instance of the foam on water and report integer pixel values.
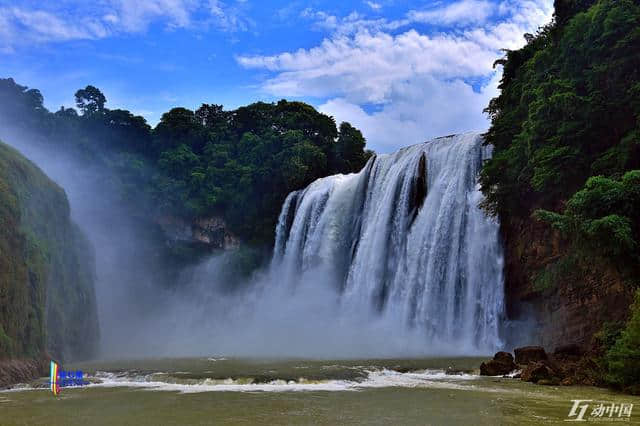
(375, 379)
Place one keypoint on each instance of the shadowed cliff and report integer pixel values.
(47, 299)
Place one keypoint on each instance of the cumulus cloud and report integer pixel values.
(399, 82)
(423, 107)
(364, 68)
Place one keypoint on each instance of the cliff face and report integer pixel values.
(47, 298)
(564, 173)
(567, 306)
(209, 232)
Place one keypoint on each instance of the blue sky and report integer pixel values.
(401, 71)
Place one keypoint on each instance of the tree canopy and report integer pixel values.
(566, 129)
(239, 164)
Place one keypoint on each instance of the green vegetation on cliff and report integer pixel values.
(47, 299)
(566, 136)
(623, 359)
(569, 107)
(566, 131)
(238, 164)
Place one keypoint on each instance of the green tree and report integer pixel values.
(176, 127)
(238, 164)
(623, 359)
(90, 100)
(349, 150)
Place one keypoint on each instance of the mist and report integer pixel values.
(125, 258)
(199, 315)
(310, 301)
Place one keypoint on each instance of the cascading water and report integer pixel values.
(403, 244)
(395, 261)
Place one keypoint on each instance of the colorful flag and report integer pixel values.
(55, 387)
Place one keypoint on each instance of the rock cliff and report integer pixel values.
(210, 232)
(47, 298)
(568, 307)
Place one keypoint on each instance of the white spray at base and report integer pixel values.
(404, 244)
(380, 378)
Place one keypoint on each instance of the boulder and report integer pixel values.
(536, 371)
(567, 381)
(505, 357)
(501, 364)
(528, 354)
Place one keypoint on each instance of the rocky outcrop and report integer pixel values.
(538, 371)
(571, 351)
(211, 232)
(418, 187)
(573, 306)
(501, 364)
(528, 354)
(14, 371)
(568, 365)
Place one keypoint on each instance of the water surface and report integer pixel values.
(233, 391)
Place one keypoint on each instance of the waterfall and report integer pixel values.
(395, 261)
(402, 243)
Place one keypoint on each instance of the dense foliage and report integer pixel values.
(566, 136)
(566, 128)
(623, 359)
(47, 298)
(600, 217)
(239, 164)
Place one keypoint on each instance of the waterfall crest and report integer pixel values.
(402, 243)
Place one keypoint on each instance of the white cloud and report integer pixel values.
(41, 22)
(135, 15)
(41, 25)
(419, 84)
(462, 12)
(229, 18)
(422, 108)
(373, 5)
(351, 23)
(366, 66)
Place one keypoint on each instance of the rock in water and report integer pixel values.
(528, 354)
(501, 364)
(419, 188)
(537, 371)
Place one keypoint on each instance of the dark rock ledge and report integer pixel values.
(567, 365)
(14, 371)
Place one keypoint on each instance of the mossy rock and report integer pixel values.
(47, 298)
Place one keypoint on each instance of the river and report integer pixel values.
(215, 390)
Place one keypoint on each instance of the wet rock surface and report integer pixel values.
(501, 364)
(13, 371)
(538, 371)
(568, 365)
(528, 354)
